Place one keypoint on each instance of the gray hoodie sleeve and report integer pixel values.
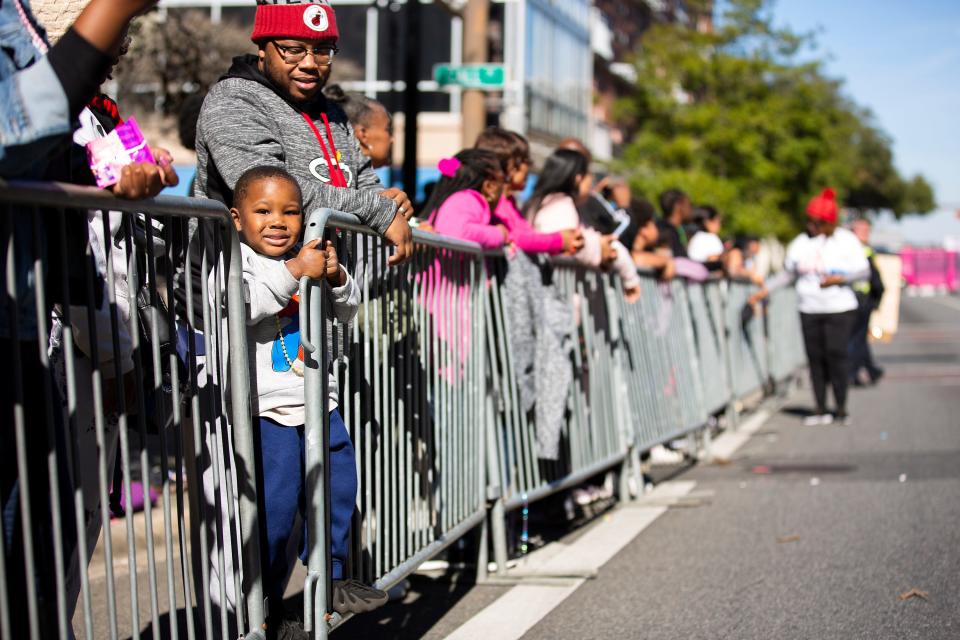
(240, 135)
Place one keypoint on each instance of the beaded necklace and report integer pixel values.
(283, 349)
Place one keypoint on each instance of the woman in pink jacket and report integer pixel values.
(461, 205)
(513, 151)
(553, 208)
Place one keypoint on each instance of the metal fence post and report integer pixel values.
(242, 421)
(316, 435)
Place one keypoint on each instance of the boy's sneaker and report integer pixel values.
(661, 456)
(352, 596)
(844, 419)
(817, 420)
(286, 629)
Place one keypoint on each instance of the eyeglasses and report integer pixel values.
(294, 54)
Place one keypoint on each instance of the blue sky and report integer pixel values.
(902, 60)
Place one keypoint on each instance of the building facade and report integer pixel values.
(567, 63)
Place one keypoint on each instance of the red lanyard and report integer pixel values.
(337, 178)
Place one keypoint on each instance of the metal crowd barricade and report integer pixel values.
(749, 368)
(710, 330)
(785, 351)
(430, 387)
(596, 434)
(410, 372)
(128, 377)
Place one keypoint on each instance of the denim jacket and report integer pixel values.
(34, 116)
(34, 126)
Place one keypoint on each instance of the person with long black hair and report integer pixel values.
(553, 207)
(462, 203)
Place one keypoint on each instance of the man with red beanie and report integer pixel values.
(826, 261)
(269, 111)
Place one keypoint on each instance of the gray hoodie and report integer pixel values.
(245, 123)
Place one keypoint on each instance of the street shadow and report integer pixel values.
(797, 411)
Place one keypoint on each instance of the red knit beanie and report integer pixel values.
(299, 21)
(824, 206)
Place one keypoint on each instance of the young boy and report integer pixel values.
(268, 215)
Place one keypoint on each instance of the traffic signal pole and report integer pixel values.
(476, 21)
(411, 110)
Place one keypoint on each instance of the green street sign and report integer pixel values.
(471, 76)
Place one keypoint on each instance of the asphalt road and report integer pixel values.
(849, 519)
(821, 548)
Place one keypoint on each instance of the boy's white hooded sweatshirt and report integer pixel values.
(813, 259)
(273, 335)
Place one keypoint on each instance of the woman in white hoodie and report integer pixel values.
(553, 208)
(826, 262)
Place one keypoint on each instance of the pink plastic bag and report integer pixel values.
(108, 155)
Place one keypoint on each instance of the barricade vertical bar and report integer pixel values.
(211, 422)
(243, 431)
(157, 361)
(73, 458)
(197, 462)
(99, 425)
(23, 483)
(133, 280)
(316, 435)
(111, 300)
(185, 565)
(53, 464)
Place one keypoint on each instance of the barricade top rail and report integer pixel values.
(351, 222)
(57, 194)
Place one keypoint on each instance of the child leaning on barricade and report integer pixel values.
(268, 215)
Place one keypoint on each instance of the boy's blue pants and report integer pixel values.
(282, 453)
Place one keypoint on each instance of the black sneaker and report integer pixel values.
(286, 629)
(352, 596)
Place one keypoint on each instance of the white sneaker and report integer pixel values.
(661, 456)
(818, 420)
(582, 496)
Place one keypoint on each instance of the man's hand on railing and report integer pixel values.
(400, 235)
(145, 179)
(631, 294)
(404, 206)
(572, 241)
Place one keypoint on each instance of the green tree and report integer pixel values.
(737, 119)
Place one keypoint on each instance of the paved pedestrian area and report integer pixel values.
(826, 532)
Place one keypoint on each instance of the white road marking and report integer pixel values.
(519, 609)
(728, 443)
(523, 606)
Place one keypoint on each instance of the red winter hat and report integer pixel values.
(824, 206)
(299, 21)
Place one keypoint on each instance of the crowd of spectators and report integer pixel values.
(273, 142)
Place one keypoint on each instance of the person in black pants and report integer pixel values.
(826, 261)
(826, 336)
(869, 293)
